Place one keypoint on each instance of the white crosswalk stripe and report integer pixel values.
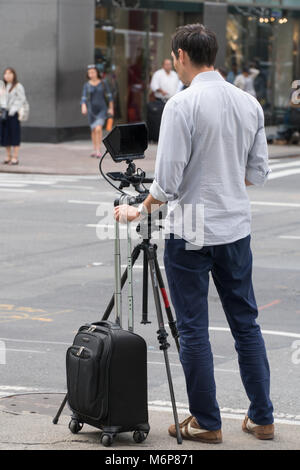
(33, 182)
(284, 168)
(8, 390)
(10, 182)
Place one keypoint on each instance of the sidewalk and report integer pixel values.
(26, 423)
(72, 158)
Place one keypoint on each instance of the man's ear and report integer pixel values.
(181, 55)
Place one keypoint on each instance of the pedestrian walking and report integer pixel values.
(245, 80)
(97, 103)
(212, 145)
(14, 102)
(233, 73)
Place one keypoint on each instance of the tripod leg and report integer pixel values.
(135, 255)
(145, 289)
(63, 404)
(162, 335)
(171, 321)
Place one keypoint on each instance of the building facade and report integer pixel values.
(50, 43)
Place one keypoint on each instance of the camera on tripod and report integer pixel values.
(125, 143)
(128, 142)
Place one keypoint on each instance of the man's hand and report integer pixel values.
(124, 213)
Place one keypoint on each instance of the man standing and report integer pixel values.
(165, 82)
(245, 80)
(212, 144)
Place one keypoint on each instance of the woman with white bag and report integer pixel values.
(17, 109)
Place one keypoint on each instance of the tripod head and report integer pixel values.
(131, 177)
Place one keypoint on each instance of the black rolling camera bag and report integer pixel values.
(107, 381)
(154, 114)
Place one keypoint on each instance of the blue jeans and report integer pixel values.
(188, 278)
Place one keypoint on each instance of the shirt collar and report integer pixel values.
(207, 76)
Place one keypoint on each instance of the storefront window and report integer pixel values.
(259, 2)
(269, 44)
(291, 3)
(131, 45)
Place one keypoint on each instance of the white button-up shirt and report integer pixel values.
(212, 137)
(168, 82)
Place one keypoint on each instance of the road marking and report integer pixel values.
(265, 332)
(284, 165)
(23, 350)
(15, 190)
(10, 313)
(216, 369)
(212, 328)
(18, 389)
(26, 182)
(61, 186)
(56, 343)
(275, 302)
(157, 405)
(231, 413)
(12, 185)
(60, 343)
(73, 201)
(47, 177)
(281, 174)
(290, 237)
(279, 204)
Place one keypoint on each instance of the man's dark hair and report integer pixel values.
(198, 41)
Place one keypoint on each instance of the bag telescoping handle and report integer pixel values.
(117, 258)
(130, 279)
(118, 290)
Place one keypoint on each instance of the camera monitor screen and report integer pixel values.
(127, 141)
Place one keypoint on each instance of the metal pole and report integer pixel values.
(118, 294)
(130, 286)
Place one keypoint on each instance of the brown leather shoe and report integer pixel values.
(260, 432)
(191, 430)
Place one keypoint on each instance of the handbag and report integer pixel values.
(24, 111)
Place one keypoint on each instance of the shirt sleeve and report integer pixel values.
(84, 94)
(18, 101)
(254, 72)
(154, 85)
(173, 153)
(2, 95)
(257, 168)
(239, 82)
(108, 92)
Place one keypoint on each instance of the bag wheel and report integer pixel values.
(75, 426)
(139, 436)
(107, 440)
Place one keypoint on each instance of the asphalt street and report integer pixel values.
(57, 274)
